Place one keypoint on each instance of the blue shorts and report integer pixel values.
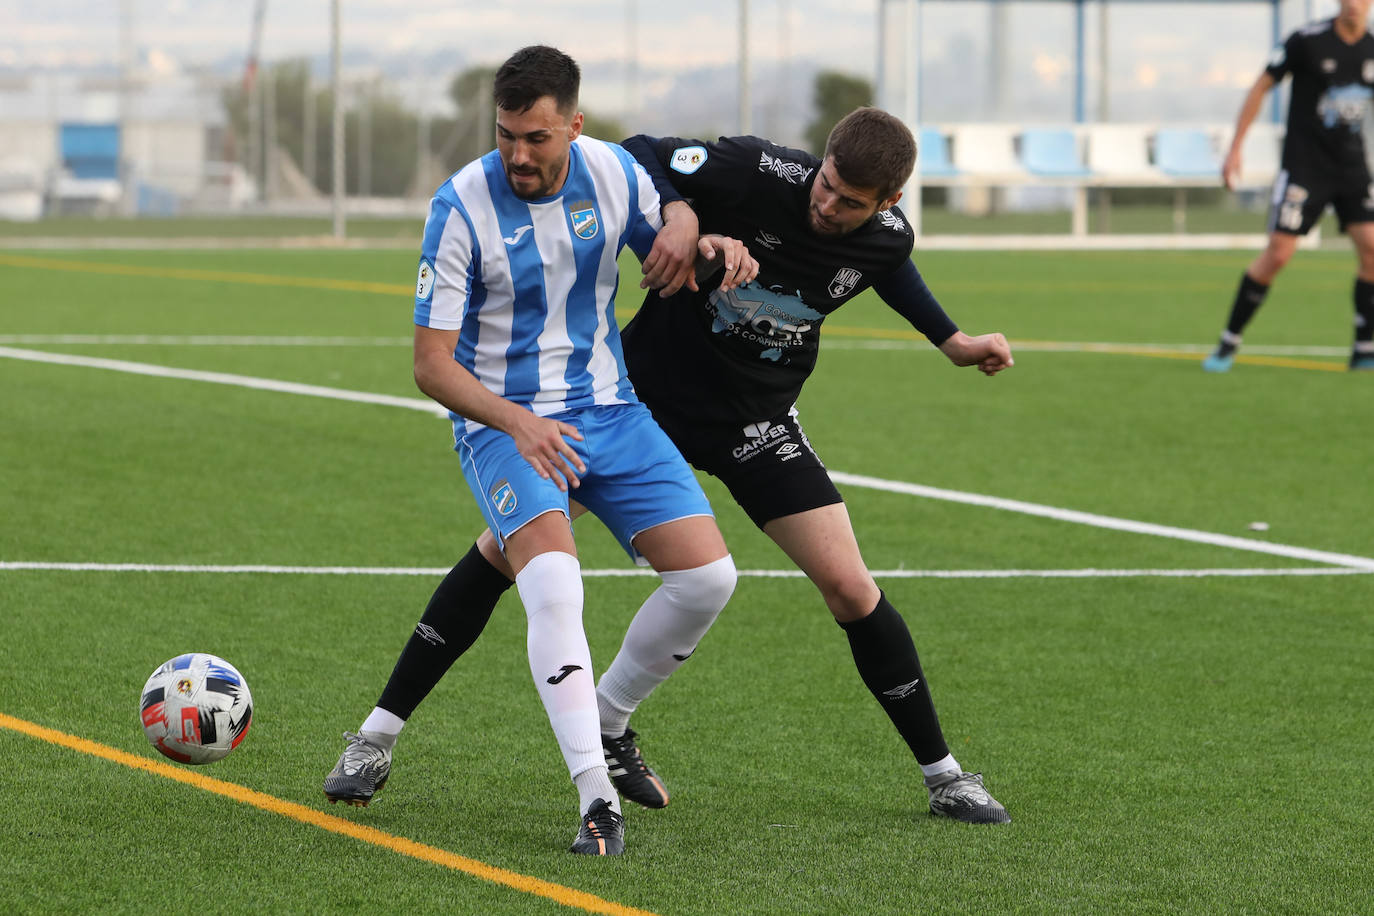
(635, 478)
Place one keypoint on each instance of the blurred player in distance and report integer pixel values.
(1332, 65)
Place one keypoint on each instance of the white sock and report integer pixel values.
(382, 727)
(551, 589)
(593, 784)
(664, 632)
(942, 765)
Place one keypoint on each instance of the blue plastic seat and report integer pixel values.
(1186, 153)
(1051, 152)
(933, 155)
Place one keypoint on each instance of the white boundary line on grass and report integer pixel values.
(251, 569)
(840, 477)
(224, 378)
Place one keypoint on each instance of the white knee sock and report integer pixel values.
(662, 635)
(551, 589)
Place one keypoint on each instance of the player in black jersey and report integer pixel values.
(1332, 65)
(721, 375)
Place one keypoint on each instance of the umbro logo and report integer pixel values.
(429, 634)
(902, 691)
(564, 672)
(683, 658)
(518, 235)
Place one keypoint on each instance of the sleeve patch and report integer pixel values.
(425, 283)
(687, 159)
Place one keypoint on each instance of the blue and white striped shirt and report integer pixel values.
(530, 284)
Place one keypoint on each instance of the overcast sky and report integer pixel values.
(1190, 59)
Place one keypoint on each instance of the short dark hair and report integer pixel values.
(534, 72)
(872, 149)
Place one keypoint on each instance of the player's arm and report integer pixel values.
(905, 292)
(540, 440)
(681, 167)
(1249, 110)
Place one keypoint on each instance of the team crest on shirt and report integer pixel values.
(844, 282)
(503, 498)
(425, 282)
(584, 222)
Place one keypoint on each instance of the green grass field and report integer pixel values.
(1186, 743)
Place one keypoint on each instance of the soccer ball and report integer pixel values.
(196, 708)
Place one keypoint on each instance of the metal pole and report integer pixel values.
(1276, 30)
(124, 165)
(911, 79)
(744, 66)
(269, 133)
(631, 63)
(338, 127)
(308, 128)
(1079, 100)
(880, 87)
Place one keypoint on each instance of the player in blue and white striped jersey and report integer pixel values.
(516, 335)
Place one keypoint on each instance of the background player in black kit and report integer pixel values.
(721, 375)
(1332, 64)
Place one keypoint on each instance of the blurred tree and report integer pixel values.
(835, 95)
(392, 130)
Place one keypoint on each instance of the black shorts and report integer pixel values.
(1300, 197)
(768, 466)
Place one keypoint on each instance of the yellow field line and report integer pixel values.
(221, 276)
(556, 892)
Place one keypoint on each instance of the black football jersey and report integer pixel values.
(1333, 83)
(745, 354)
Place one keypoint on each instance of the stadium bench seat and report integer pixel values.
(987, 151)
(1182, 152)
(933, 155)
(1052, 152)
(1122, 152)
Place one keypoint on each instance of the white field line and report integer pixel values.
(840, 477)
(1221, 572)
(833, 341)
(224, 378)
(1106, 521)
(201, 340)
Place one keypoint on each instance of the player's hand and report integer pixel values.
(671, 261)
(989, 352)
(1230, 169)
(543, 442)
(740, 266)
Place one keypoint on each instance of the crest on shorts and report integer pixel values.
(503, 498)
(584, 222)
(844, 282)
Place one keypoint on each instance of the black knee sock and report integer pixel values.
(1364, 311)
(1249, 297)
(454, 618)
(887, 662)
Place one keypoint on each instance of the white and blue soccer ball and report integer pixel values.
(196, 708)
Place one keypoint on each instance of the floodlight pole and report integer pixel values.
(338, 151)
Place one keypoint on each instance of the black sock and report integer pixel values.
(454, 618)
(1249, 297)
(887, 662)
(1364, 311)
